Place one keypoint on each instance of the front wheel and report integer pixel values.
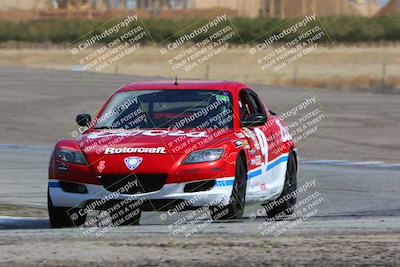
(64, 217)
(234, 209)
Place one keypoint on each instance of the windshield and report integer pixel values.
(171, 109)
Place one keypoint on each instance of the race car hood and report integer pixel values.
(158, 150)
(152, 141)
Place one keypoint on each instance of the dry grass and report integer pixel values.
(362, 83)
(346, 68)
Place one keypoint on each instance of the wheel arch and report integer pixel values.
(294, 151)
(242, 154)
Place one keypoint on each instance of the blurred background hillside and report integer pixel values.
(35, 9)
(362, 52)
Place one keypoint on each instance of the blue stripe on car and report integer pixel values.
(277, 162)
(54, 184)
(270, 166)
(224, 183)
(254, 174)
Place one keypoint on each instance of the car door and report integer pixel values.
(274, 169)
(249, 104)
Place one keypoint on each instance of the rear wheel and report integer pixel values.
(281, 205)
(234, 209)
(64, 217)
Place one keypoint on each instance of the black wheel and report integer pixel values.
(285, 202)
(64, 217)
(125, 215)
(234, 209)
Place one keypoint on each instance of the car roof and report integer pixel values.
(230, 86)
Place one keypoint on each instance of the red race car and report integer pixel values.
(169, 146)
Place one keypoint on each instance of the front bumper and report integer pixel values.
(166, 198)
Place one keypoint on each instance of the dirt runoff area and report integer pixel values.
(22, 211)
(205, 250)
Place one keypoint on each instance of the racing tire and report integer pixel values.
(234, 210)
(61, 217)
(280, 205)
(124, 216)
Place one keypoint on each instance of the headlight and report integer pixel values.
(70, 157)
(204, 156)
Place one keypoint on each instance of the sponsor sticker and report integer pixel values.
(246, 144)
(147, 133)
(101, 166)
(249, 133)
(258, 160)
(263, 187)
(145, 150)
(240, 135)
(237, 143)
(222, 98)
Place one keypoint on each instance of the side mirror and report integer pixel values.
(83, 119)
(254, 120)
